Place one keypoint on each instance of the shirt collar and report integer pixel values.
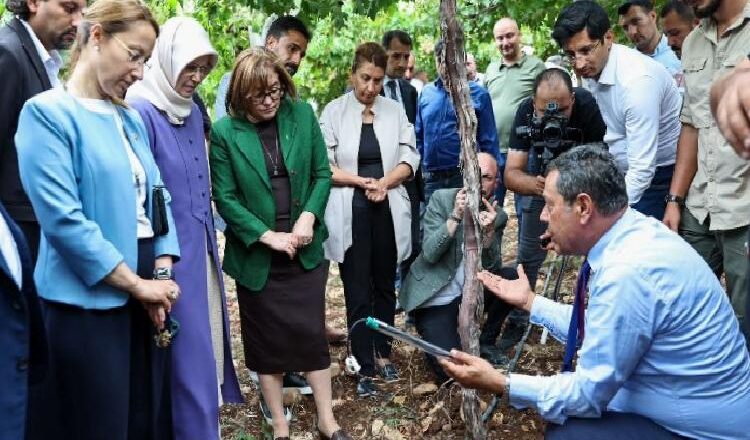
(518, 63)
(708, 24)
(662, 47)
(43, 53)
(608, 72)
(596, 253)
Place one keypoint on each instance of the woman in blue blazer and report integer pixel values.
(86, 165)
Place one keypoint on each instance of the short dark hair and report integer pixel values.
(20, 8)
(591, 169)
(400, 35)
(580, 15)
(646, 5)
(370, 52)
(553, 75)
(282, 25)
(680, 8)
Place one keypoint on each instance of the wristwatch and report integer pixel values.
(674, 198)
(455, 219)
(163, 273)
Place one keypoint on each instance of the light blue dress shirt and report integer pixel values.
(666, 57)
(661, 340)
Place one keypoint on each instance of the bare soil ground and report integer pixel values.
(401, 412)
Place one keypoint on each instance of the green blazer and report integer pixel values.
(242, 188)
(441, 254)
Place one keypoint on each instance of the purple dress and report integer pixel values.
(180, 153)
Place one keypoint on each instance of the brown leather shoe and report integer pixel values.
(340, 434)
(335, 336)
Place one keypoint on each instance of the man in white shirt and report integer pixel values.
(638, 99)
(30, 63)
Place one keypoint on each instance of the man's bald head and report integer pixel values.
(507, 39)
(488, 169)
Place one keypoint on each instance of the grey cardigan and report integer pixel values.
(341, 124)
(441, 254)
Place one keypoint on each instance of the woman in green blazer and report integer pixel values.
(271, 180)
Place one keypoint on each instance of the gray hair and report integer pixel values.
(591, 169)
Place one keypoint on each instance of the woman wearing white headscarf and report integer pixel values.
(182, 58)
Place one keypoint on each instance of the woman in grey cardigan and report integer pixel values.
(371, 148)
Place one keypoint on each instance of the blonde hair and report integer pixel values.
(114, 16)
(251, 72)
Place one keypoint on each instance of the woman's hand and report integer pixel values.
(303, 228)
(157, 314)
(281, 241)
(156, 292)
(377, 190)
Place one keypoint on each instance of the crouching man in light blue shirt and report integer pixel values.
(662, 355)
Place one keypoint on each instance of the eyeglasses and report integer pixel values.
(275, 93)
(202, 71)
(135, 57)
(584, 52)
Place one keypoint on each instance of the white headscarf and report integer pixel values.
(181, 40)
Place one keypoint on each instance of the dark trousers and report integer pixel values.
(435, 180)
(439, 324)
(33, 235)
(652, 201)
(106, 378)
(610, 426)
(368, 274)
(530, 252)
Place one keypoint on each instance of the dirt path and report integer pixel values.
(402, 412)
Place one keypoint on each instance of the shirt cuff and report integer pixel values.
(542, 308)
(524, 391)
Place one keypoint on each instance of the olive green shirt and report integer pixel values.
(721, 186)
(509, 85)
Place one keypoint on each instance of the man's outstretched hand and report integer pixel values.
(517, 293)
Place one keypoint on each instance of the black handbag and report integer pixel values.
(159, 222)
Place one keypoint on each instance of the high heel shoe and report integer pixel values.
(339, 434)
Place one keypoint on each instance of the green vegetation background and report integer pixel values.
(339, 26)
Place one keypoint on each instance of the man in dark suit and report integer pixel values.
(397, 46)
(24, 350)
(30, 64)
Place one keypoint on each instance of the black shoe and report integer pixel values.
(267, 412)
(389, 373)
(295, 380)
(366, 387)
(494, 355)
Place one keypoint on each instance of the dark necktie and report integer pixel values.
(575, 330)
(392, 90)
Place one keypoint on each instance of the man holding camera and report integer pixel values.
(540, 134)
(637, 97)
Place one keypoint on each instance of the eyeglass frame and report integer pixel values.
(589, 50)
(260, 98)
(134, 57)
(203, 71)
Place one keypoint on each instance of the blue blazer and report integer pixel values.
(76, 171)
(23, 357)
